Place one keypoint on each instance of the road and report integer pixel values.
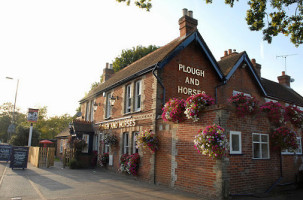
(59, 183)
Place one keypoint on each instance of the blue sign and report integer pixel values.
(5, 152)
(19, 157)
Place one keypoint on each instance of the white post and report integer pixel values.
(30, 135)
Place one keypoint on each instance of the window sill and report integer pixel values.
(260, 158)
(291, 154)
(236, 154)
(130, 113)
(106, 118)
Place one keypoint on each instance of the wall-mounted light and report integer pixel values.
(113, 99)
(96, 105)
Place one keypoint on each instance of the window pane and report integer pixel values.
(264, 138)
(257, 153)
(235, 142)
(265, 153)
(256, 138)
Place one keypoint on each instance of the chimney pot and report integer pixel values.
(225, 53)
(106, 65)
(284, 79)
(184, 11)
(253, 61)
(190, 13)
(229, 51)
(283, 73)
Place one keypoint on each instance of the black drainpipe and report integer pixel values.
(159, 80)
(216, 88)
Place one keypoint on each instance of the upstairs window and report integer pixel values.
(87, 111)
(128, 99)
(235, 142)
(269, 100)
(237, 92)
(260, 146)
(92, 110)
(138, 96)
(108, 106)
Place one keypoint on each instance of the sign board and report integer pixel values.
(5, 152)
(19, 157)
(32, 115)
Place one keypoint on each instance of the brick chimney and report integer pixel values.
(108, 71)
(256, 66)
(187, 23)
(284, 79)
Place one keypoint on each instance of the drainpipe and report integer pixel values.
(159, 81)
(216, 89)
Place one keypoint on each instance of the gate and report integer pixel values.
(42, 156)
(67, 156)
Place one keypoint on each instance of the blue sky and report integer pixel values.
(58, 48)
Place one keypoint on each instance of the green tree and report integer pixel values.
(129, 56)
(22, 134)
(269, 16)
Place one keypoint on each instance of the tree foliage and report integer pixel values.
(22, 134)
(270, 16)
(129, 56)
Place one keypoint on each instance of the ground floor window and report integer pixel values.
(134, 143)
(298, 150)
(235, 142)
(85, 137)
(61, 145)
(260, 146)
(125, 143)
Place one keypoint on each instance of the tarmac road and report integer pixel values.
(59, 183)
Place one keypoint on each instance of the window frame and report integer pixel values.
(235, 92)
(87, 111)
(134, 143)
(260, 147)
(270, 100)
(231, 141)
(61, 145)
(125, 146)
(128, 99)
(138, 95)
(85, 137)
(91, 110)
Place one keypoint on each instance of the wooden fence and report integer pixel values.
(41, 156)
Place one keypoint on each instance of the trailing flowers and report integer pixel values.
(211, 141)
(173, 110)
(130, 163)
(147, 139)
(195, 104)
(284, 138)
(274, 112)
(294, 115)
(245, 105)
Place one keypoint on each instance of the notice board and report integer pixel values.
(19, 157)
(5, 152)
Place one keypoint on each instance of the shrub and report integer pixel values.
(73, 164)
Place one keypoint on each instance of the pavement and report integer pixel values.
(91, 184)
(63, 183)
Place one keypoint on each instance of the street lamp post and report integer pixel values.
(12, 126)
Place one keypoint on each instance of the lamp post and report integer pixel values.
(12, 126)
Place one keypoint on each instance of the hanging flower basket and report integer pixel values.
(173, 110)
(104, 159)
(130, 163)
(211, 141)
(294, 115)
(245, 105)
(110, 139)
(195, 105)
(274, 112)
(284, 138)
(147, 140)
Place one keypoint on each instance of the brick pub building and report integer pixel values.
(131, 100)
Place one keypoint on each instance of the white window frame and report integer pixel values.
(108, 106)
(134, 143)
(237, 92)
(138, 88)
(128, 98)
(125, 143)
(92, 110)
(260, 143)
(269, 100)
(298, 150)
(85, 137)
(87, 111)
(231, 141)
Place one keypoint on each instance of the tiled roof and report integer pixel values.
(137, 67)
(282, 92)
(228, 62)
(83, 126)
(64, 133)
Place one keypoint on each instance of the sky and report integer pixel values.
(57, 49)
